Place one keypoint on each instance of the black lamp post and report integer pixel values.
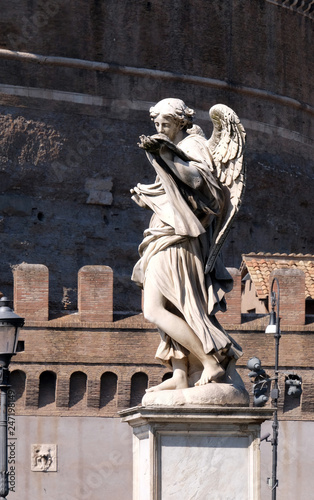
(274, 327)
(262, 383)
(10, 324)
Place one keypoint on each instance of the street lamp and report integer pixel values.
(274, 327)
(10, 324)
(262, 383)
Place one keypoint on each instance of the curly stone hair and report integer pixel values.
(175, 109)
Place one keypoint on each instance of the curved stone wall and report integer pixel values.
(69, 129)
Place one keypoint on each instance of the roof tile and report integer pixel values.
(260, 265)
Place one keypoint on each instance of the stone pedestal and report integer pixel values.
(196, 453)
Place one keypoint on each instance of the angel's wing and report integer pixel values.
(226, 146)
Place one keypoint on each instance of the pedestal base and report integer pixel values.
(196, 453)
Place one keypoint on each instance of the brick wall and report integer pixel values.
(110, 372)
(95, 296)
(95, 293)
(292, 301)
(81, 390)
(95, 360)
(233, 314)
(31, 291)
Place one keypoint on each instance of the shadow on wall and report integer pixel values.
(47, 389)
(78, 383)
(108, 389)
(139, 384)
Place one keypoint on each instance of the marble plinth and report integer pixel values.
(196, 453)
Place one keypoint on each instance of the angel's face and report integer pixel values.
(166, 125)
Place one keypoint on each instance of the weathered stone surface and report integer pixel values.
(207, 453)
(44, 458)
(209, 394)
(62, 126)
(228, 391)
(14, 205)
(99, 191)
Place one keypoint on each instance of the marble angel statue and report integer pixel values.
(197, 192)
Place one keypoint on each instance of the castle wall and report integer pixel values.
(69, 129)
(82, 356)
(76, 372)
(73, 102)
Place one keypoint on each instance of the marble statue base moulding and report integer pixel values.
(196, 452)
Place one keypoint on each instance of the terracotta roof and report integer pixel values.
(260, 265)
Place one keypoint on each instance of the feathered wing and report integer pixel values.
(226, 146)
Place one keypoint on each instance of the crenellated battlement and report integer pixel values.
(95, 296)
(95, 293)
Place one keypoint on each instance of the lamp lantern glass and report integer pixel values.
(10, 324)
(272, 327)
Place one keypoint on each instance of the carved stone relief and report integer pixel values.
(44, 457)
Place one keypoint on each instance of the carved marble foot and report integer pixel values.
(210, 375)
(177, 381)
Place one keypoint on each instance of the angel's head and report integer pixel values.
(171, 116)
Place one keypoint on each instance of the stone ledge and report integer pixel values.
(194, 413)
(138, 322)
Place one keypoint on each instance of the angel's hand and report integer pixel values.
(149, 144)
